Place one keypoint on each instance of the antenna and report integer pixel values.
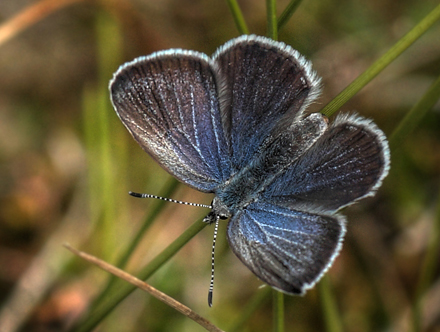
(168, 199)
(211, 285)
(217, 218)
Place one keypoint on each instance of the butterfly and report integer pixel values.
(235, 124)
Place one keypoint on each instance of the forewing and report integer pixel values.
(168, 102)
(264, 86)
(348, 162)
(289, 250)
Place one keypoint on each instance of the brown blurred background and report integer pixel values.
(67, 163)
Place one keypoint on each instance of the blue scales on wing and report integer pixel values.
(285, 248)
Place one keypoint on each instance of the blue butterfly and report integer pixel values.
(235, 125)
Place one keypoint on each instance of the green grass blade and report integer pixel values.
(257, 300)
(287, 13)
(383, 62)
(415, 115)
(429, 267)
(330, 309)
(122, 262)
(271, 12)
(97, 124)
(91, 142)
(168, 191)
(278, 311)
(237, 14)
(125, 289)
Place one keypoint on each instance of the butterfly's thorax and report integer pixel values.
(274, 156)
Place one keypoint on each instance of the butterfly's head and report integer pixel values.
(219, 211)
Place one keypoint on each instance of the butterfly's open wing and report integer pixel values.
(290, 250)
(348, 162)
(264, 86)
(168, 101)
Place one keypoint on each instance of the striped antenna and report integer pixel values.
(211, 285)
(168, 199)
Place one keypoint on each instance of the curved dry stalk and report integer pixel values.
(30, 16)
(148, 288)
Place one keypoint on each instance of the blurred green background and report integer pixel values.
(67, 163)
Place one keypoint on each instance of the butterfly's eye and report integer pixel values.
(224, 216)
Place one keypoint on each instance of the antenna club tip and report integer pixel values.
(210, 299)
(131, 193)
